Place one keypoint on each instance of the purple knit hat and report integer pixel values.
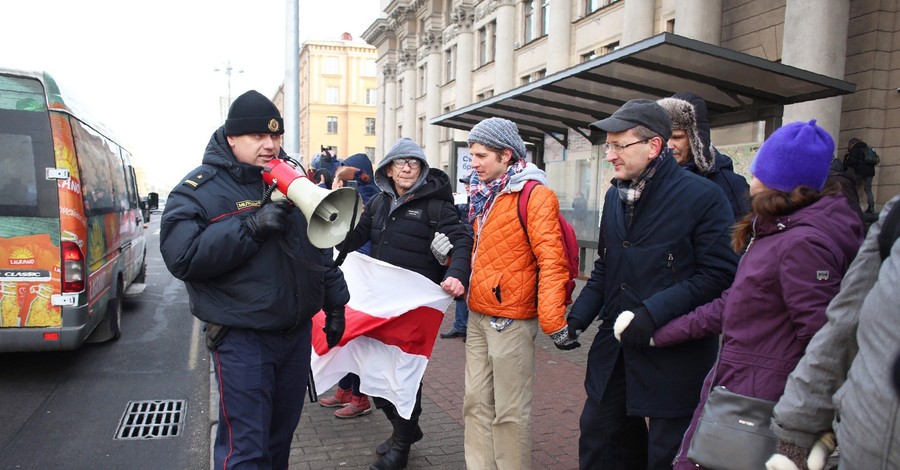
(797, 154)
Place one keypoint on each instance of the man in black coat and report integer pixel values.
(413, 224)
(256, 280)
(664, 249)
(691, 147)
(863, 172)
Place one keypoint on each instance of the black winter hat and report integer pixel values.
(253, 113)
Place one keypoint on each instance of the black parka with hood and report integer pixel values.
(231, 278)
(688, 112)
(399, 228)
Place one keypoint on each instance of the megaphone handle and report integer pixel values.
(343, 253)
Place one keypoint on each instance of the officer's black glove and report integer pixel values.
(269, 218)
(640, 331)
(334, 326)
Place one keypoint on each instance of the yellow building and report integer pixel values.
(337, 97)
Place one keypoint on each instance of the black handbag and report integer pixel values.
(733, 432)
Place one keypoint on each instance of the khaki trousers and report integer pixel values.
(497, 405)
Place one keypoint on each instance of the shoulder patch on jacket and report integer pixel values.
(198, 177)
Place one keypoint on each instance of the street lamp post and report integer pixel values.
(228, 70)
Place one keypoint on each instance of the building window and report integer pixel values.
(545, 17)
(610, 47)
(331, 125)
(331, 65)
(540, 74)
(370, 126)
(449, 69)
(369, 69)
(370, 96)
(446, 132)
(526, 79)
(670, 26)
(591, 6)
(420, 131)
(492, 27)
(370, 151)
(588, 56)
(331, 95)
(423, 80)
(482, 46)
(529, 20)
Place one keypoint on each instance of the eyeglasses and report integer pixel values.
(401, 162)
(616, 148)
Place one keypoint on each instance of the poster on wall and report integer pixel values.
(579, 147)
(463, 168)
(553, 150)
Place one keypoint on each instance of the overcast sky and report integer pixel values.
(146, 69)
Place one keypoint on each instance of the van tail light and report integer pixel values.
(73, 268)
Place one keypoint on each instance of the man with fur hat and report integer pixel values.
(508, 300)
(244, 260)
(664, 250)
(413, 224)
(691, 147)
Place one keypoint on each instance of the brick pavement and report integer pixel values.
(323, 441)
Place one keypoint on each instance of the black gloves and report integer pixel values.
(269, 218)
(563, 340)
(334, 326)
(576, 327)
(640, 331)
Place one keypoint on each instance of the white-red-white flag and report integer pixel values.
(392, 322)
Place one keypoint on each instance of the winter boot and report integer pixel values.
(397, 455)
(358, 406)
(385, 446)
(341, 397)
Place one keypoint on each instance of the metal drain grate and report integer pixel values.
(151, 419)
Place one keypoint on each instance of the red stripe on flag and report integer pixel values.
(414, 331)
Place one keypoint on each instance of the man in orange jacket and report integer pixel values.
(507, 299)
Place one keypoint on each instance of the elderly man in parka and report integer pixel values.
(664, 249)
(691, 147)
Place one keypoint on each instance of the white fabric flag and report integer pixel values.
(392, 322)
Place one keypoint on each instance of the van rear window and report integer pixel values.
(26, 150)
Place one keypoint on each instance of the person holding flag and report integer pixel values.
(411, 224)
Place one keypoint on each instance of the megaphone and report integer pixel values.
(330, 214)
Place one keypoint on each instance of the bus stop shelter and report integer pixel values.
(738, 88)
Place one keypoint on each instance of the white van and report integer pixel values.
(71, 220)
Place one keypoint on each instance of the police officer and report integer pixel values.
(253, 276)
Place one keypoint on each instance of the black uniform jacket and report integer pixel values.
(231, 278)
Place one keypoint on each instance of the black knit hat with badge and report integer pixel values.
(253, 113)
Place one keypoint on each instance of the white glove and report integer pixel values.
(440, 247)
(622, 322)
(780, 462)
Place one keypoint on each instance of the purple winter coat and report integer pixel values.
(777, 302)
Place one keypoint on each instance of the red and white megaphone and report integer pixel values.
(329, 214)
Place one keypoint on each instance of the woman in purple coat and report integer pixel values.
(799, 240)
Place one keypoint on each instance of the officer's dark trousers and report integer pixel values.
(612, 440)
(391, 411)
(261, 380)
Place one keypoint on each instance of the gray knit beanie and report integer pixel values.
(498, 133)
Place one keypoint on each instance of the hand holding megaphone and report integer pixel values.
(330, 214)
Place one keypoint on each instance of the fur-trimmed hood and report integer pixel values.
(688, 112)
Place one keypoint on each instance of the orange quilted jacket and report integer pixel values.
(504, 280)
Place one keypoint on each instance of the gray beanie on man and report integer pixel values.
(498, 133)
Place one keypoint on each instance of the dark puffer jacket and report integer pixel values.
(231, 278)
(688, 112)
(399, 229)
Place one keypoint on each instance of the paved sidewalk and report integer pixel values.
(323, 441)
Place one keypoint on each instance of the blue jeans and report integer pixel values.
(462, 316)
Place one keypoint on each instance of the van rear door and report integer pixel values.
(29, 207)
